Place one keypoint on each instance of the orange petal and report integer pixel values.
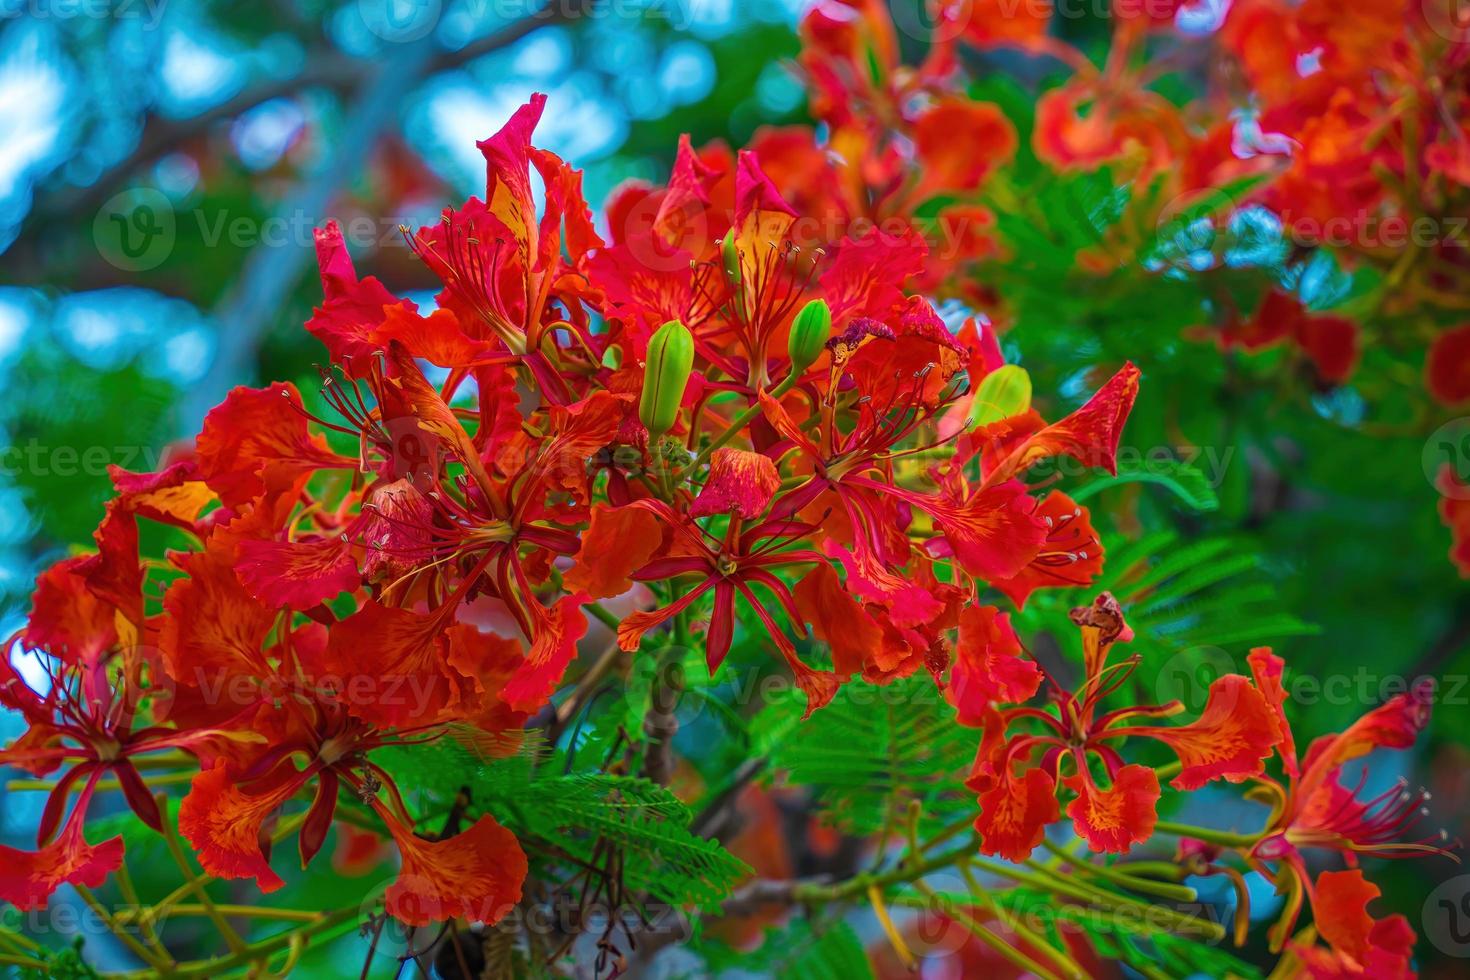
(1015, 814)
(1232, 738)
(740, 481)
(1114, 819)
(618, 541)
(223, 822)
(475, 875)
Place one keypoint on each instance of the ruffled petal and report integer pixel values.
(1231, 739)
(297, 574)
(224, 823)
(1014, 814)
(740, 481)
(988, 667)
(1114, 819)
(617, 542)
(27, 878)
(475, 875)
(256, 428)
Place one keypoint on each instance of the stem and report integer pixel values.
(171, 837)
(242, 911)
(659, 723)
(986, 935)
(1162, 889)
(895, 939)
(1048, 881)
(741, 421)
(858, 884)
(1057, 954)
(145, 923)
(162, 965)
(103, 785)
(259, 950)
(1225, 838)
(22, 961)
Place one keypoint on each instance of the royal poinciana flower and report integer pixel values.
(1320, 805)
(1075, 745)
(1357, 944)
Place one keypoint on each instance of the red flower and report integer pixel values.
(1315, 809)
(1231, 739)
(1358, 945)
(475, 874)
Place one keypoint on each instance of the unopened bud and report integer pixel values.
(665, 376)
(810, 332)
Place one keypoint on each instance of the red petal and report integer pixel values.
(866, 277)
(352, 308)
(552, 648)
(475, 875)
(994, 534)
(959, 143)
(740, 481)
(437, 338)
(618, 542)
(297, 574)
(1331, 342)
(223, 822)
(1340, 907)
(1447, 367)
(212, 623)
(988, 667)
(508, 170)
(67, 619)
(837, 619)
(488, 662)
(1071, 557)
(1115, 819)
(1266, 671)
(1395, 724)
(254, 428)
(397, 530)
(27, 878)
(389, 667)
(174, 495)
(1015, 814)
(1089, 435)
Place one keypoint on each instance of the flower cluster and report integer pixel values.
(754, 430)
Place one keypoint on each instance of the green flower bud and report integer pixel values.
(665, 376)
(810, 332)
(730, 259)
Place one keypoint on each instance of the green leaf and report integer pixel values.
(582, 814)
(873, 750)
(1183, 480)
